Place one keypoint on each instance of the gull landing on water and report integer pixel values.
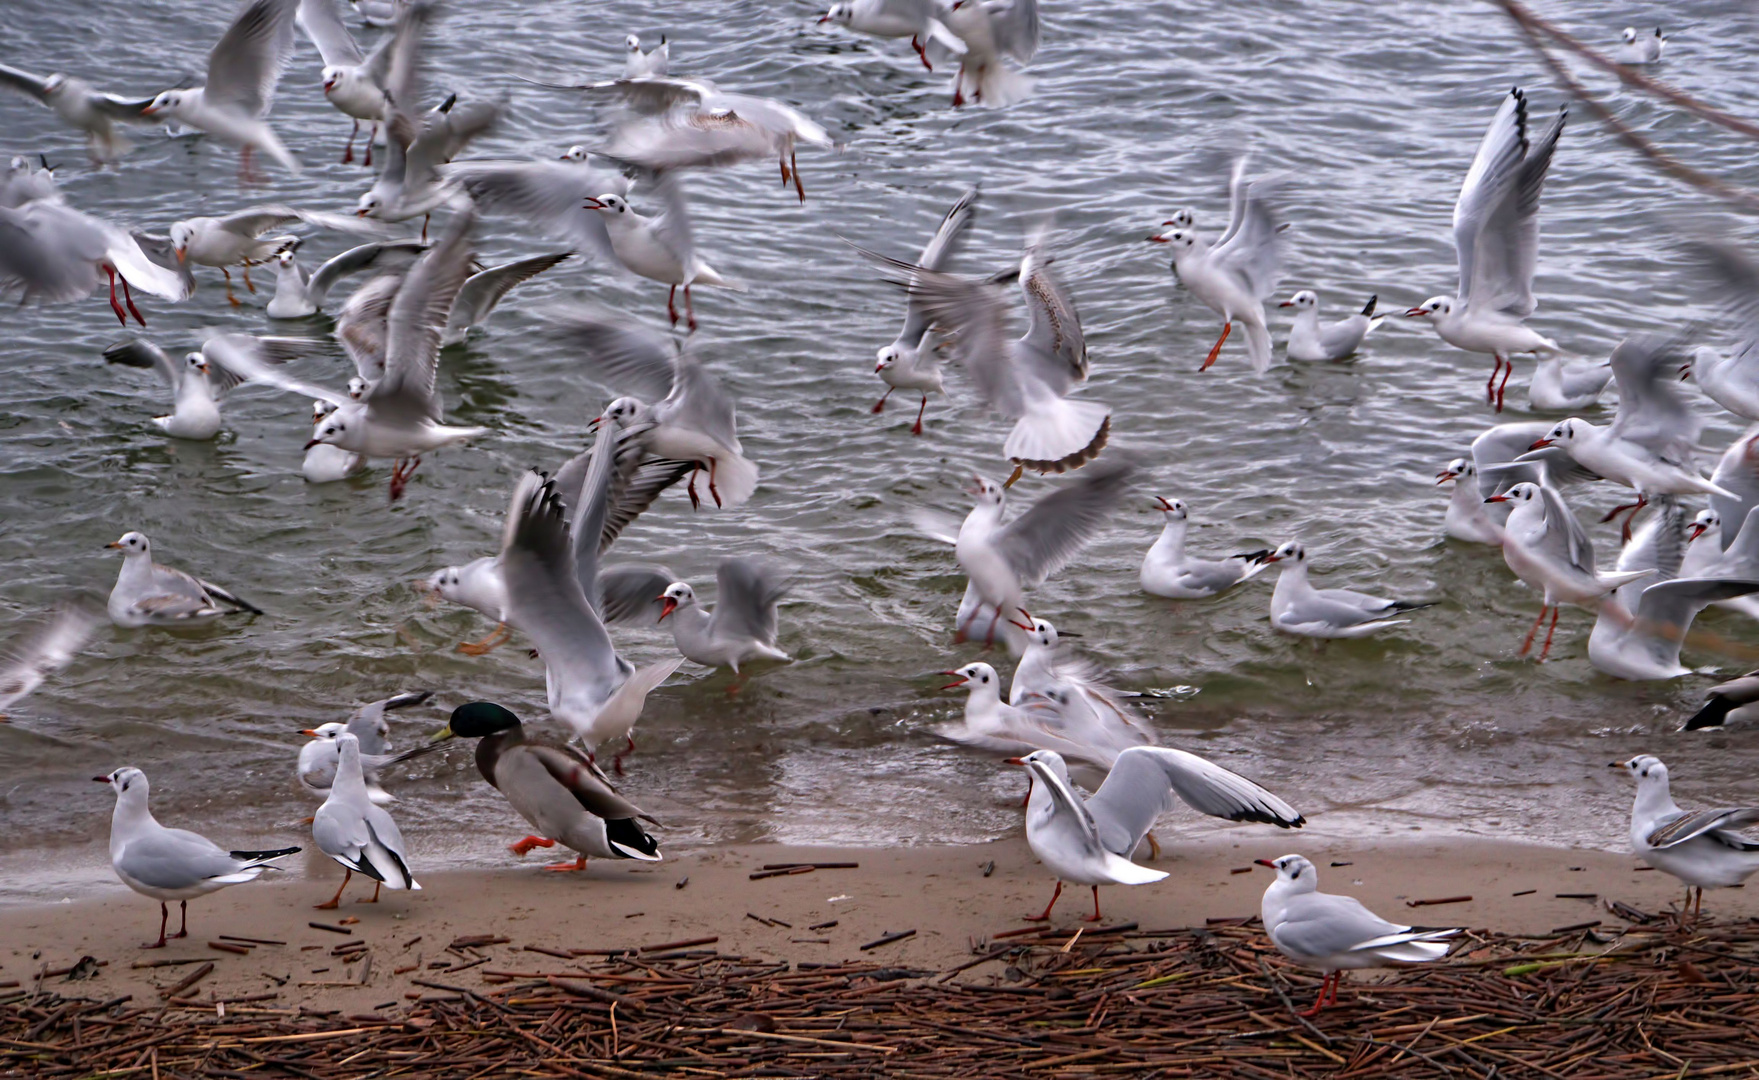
(918, 20)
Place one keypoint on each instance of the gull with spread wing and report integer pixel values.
(28, 660)
(79, 104)
(354, 82)
(1496, 238)
(1699, 847)
(199, 380)
(51, 253)
(1731, 278)
(319, 758)
(1086, 709)
(483, 290)
(298, 294)
(741, 628)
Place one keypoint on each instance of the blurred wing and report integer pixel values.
(635, 494)
(386, 255)
(544, 595)
(630, 595)
(1015, 29)
(550, 195)
(1041, 541)
(25, 83)
(1253, 247)
(1731, 277)
(650, 94)
(704, 403)
(323, 24)
(30, 659)
(746, 596)
(140, 353)
(949, 236)
(690, 138)
(973, 312)
(223, 351)
(1135, 793)
(672, 224)
(413, 325)
(1053, 326)
(1564, 536)
(481, 292)
(1652, 411)
(620, 352)
(248, 59)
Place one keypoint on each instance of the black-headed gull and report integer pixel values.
(233, 102)
(1547, 548)
(171, 864)
(918, 20)
(1311, 342)
(650, 64)
(1088, 842)
(323, 463)
(1738, 472)
(360, 836)
(706, 128)
(1168, 570)
(1087, 710)
(51, 253)
(1334, 934)
(1466, 518)
(1714, 550)
(991, 30)
(354, 81)
(199, 379)
(1004, 560)
(1729, 702)
(1496, 238)
(1567, 384)
(319, 758)
(990, 724)
(1296, 607)
(1700, 847)
(298, 294)
(741, 628)
(661, 247)
(81, 105)
(147, 594)
(1635, 48)
(26, 661)
(562, 795)
(905, 364)
(1235, 276)
(237, 239)
(1731, 278)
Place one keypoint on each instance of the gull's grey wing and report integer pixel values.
(158, 250)
(783, 121)
(671, 226)
(1678, 830)
(1665, 611)
(689, 138)
(1325, 924)
(24, 82)
(243, 363)
(1652, 411)
(703, 402)
(361, 326)
(222, 351)
(1565, 538)
(1041, 541)
(46, 649)
(49, 252)
(1496, 217)
(340, 832)
(368, 724)
(137, 352)
(1138, 786)
(388, 254)
(247, 62)
(746, 596)
(1731, 278)
(1338, 607)
(650, 94)
(630, 595)
(1254, 245)
(635, 494)
(1499, 155)
(481, 291)
(620, 351)
(1057, 349)
(1738, 472)
(544, 596)
(548, 194)
(174, 859)
(949, 235)
(257, 220)
(443, 136)
(323, 24)
(1660, 545)
(974, 313)
(414, 322)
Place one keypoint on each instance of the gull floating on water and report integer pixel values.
(1496, 238)
(171, 864)
(358, 835)
(1334, 934)
(298, 294)
(198, 381)
(28, 660)
(147, 594)
(1635, 48)
(650, 64)
(320, 758)
(1466, 518)
(1699, 847)
(1086, 709)
(1309, 341)
(1296, 607)
(1168, 570)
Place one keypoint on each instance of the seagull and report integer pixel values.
(1087, 710)
(237, 239)
(1236, 275)
(741, 628)
(922, 21)
(52, 253)
(1003, 561)
(1296, 607)
(681, 411)
(563, 796)
(1496, 237)
(1650, 444)
(992, 724)
(484, 289)
(354, 81)
(990, 30)
(81, 105)
(638, 65)
(1738, 472)
(1028, 379)
(1567, 385)
(200, 378)
(233, 104)
(34, 656)
(1168, 571)
(298, 294)
(320, 758)
(476, 584)
(550, 196)
(147, 594)
(358, 835)
(1088, 842)
(1335, 933)
(1706, 557)
(1727, 702)
(1309, 341)
(1731, 278)
(661, 247)
(905, 364)
(323, 463)
(1466, 517)
(171, 864)
(1637, 49)
(1547, 548)
(1700, 847)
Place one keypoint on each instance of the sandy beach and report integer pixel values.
(941, 893)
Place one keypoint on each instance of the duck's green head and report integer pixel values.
(476, 719)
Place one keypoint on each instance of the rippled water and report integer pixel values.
(1372, 111)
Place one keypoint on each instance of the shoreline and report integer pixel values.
(939, 897)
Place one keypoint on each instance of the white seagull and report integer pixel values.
(1296, 607)
(171, 864)
(1088, 842)
(741, 628)
(81, 105)
(1087, 710)
(1466, 518)
(354, 81)
(147, 594)
(662, 247)
(919, 20)
(1700, 847)
(323, 463)
(1496, 238)
(1168, 570)
(298, 294)
(358, 835)
(198, 381)
(320, 758)
(1309, 341)
(1637, 48)
(651, 64)
(1336, 933)
(992, 29)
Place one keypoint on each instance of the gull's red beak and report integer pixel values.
(1164, 505)
(671, 605)
(1287, 303)
(1005, 761)
(1415, 311)
(1157, 239)
(150, 110)
(313, 732)
(1697, 531)
(954, 685)
(1497, 498)
(182, 254)
(1540, 444)
(308, 446)
(100, 779)
(1445, 475)
(1024, 626)
(1273, 557)
(824, 19)
(1264, 862)
(592, 203)
(360, 213)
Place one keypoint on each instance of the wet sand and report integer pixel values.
(941, 893)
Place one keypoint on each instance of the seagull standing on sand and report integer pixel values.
(1496, 238)
(171, 864)
(358, 835)
(1088, 842)
(1336, 933)
(1296, 607)
(1167, 570)
(1309, 341)
(1699, 847)
(147, 594)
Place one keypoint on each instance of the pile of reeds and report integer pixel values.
(1643, 1001)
